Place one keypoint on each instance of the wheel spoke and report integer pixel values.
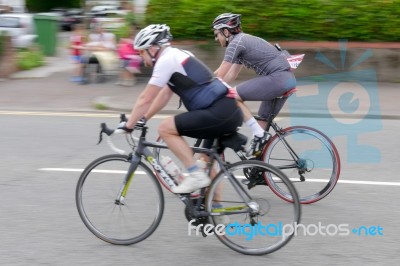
(318, 160)
(263, 209)
(126, 223)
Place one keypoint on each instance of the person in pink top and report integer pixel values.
(76, 45)
(130, 60)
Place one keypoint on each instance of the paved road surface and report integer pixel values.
(39, 224)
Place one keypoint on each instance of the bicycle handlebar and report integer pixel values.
(109, 133)
(113, 132)
(106, 130)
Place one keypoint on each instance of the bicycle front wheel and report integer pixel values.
(308, 157)
(120, 222)
(260, 225)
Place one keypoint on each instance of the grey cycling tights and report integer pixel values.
(267, 88)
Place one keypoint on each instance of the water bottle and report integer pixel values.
(172, 169)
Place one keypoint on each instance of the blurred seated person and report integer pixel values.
(130, 60)
(101, 46)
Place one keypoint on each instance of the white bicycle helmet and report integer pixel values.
(154, 34)
(226, 20)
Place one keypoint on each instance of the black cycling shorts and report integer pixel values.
(222, 117)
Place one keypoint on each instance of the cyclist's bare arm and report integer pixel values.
(142, 104)
(233, 73)
(228, 71)
(159, 102)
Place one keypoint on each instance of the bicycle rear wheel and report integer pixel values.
(267, 227)
(122, 223)
(314, 172)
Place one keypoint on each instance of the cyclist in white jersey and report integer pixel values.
(212, 107)
(274, 74)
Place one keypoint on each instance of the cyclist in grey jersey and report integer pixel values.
(255, 53)
(274, 74)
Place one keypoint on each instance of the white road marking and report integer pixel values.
(361, 182)
(81, 170)
(67, 114)
(343, 181)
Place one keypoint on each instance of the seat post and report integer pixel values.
(271, 116)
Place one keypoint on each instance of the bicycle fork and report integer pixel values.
(127, 180)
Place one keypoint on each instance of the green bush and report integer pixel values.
(2, 43)
(373, 20)
(47, 5)
(29, 58)
(122, 32)
(126, 30)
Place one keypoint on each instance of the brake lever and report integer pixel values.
(122, 118)
(106, 130)
(100, 136)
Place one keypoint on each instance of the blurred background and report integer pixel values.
(30, 30)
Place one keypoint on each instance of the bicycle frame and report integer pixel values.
(278, 131)
(292, 153)
(142, 149)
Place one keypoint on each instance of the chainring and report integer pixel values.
(189, 216)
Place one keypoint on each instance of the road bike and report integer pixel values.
(306, 155)
(120, 200)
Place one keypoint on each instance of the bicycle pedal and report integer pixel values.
(245, 182)
(257, 154)
(251, 185)
(262, 182)
(203, 232)
(258, 158)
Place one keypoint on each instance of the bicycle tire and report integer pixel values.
(319, 159)
(96, 193)
(271, 209)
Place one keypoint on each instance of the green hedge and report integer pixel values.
(372, 20)
(47, 5)
(2, 43)
(126, 30)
